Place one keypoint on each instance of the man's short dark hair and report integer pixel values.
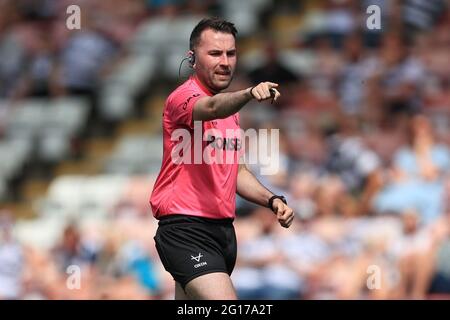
(216, 24)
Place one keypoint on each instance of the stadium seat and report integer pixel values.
(2, 189)
(116, 102)
(134, 72)
(100, 194)
(65, 115)
(26, 118)
(13, 155)
(300, 62)
(134, 154)
(42, 232)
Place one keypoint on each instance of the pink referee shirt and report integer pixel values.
(197, 189)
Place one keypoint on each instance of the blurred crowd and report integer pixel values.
(40, 56)
(365, 162)
(364, 155)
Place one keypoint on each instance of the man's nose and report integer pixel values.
(224, 60)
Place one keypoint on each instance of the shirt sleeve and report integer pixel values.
(181, 106)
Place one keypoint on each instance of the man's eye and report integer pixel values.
(215, 54)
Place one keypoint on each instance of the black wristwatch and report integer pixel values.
(270, 202)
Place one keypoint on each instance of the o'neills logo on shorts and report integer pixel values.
(197, 258)
(201, 264)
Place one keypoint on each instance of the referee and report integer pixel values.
(195, 203)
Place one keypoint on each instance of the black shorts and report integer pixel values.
(193, 246)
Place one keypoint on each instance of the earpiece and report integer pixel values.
(191, 58)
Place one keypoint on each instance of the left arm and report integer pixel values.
(249, 188)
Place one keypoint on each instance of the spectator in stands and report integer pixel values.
(418, 171)
(340, 20)
(262, 271)
(36, 80)
(11, 260)
(349, 155)
(317, 91)
(12, 50)
(399, 75)
(274, 69)
(83, 57)
(430, 11)
(416, 254)
(72, 251)
(370, 182)
(357, 68)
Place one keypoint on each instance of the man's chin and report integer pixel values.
(221, 85)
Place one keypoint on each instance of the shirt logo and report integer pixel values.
(184, 104)
(224, 143)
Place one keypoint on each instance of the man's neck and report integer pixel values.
(205, 88)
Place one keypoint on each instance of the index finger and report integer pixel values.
(272, 84)
(277, 94)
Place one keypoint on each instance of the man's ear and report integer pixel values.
(191, 60)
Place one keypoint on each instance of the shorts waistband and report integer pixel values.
(183, 218)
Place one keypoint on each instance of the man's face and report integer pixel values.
(215, 59)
